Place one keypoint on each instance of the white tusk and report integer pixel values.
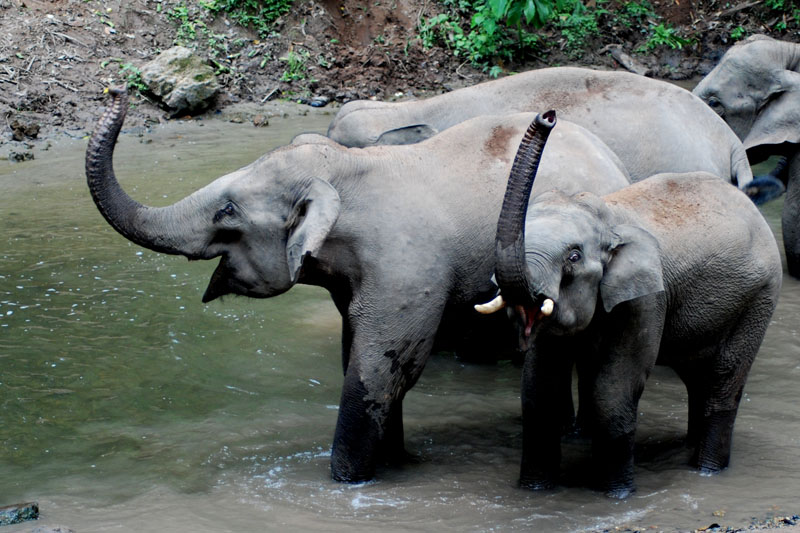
(491, 307)
(547, 307)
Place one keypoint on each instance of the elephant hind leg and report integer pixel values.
(715, 383)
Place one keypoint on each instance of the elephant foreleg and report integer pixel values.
(546, 407)
(790, 218)
(386, 360)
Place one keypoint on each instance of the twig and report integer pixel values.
(9, 81)
(30, 64)
(466, 77)
(68, 38)
(62, 84)
(269, 95)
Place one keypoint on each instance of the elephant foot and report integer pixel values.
(620, 493)
(713, 449)
(351, 477)
(536, 485)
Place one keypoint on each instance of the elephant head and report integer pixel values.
(558, 257)
(262, 220)
(756, 89)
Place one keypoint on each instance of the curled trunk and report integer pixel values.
(511, 271)
(158, 228)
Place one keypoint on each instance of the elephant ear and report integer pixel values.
(314, 214)
(634, 269)
(779, 120)
(407, 134)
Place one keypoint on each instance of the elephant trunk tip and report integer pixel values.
(546, 119)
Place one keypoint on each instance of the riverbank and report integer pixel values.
(57, 56)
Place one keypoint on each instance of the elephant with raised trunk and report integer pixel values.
(678, 269)
(401, 236)
(653, 126)
(755, 88)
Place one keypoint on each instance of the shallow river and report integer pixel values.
(128, 405)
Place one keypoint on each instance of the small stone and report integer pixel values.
(260, 121)
(19, 157)
(21, 512)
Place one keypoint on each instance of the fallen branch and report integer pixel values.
(62, 84)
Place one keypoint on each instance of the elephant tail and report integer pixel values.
(741, 173)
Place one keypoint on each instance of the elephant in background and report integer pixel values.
(402, 237)
(677, 269)
(653, 126)
(755, 88)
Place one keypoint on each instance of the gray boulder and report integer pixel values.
(183, 81)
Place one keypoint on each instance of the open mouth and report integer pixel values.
(531, 316)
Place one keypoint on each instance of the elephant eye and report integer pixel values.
(226, 211)
(574, 256)
(715, 104)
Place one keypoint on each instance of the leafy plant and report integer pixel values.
(577, 26)
(259, 15)
(133, 77)
(296, 67)
(489, 34)
(737, 33)
(664, 35)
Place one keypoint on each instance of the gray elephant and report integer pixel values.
(653, 126)
(678, 269)
(401, 236)
(755, 88)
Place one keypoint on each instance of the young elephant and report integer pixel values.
(678, 269)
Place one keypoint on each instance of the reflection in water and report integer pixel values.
(127, 404)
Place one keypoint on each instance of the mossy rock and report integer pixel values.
(182, 80)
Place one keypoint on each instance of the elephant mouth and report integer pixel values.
(531, 316)
(218, 285)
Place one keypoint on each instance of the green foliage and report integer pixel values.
(133, 77)
(664, 35)
(129, 72)
(257, 14)
(635, 14)
(188, 25)
(577, 24)
(296, 67)
(787, 10)
(495, 29)
(737, 33)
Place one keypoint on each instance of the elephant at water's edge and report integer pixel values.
(401, 236)
(677, 269)
(653, 126)
(755, 88)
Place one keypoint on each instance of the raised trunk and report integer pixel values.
(154, 228)
(511, 270)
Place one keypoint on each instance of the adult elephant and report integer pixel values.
(653, 126)
(755, 88)
(678, 269)
(400, 236)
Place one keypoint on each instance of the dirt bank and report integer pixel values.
(56, 56)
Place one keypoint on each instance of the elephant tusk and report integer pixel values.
(547, 307)
(491, 307)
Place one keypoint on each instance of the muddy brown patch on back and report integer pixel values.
(497, 143)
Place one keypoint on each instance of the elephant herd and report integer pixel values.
(614, 237)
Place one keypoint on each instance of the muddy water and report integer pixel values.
(127, 405)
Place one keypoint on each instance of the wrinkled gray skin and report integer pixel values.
(756, 90)
(401, 237)
(653, 126)
(678, 269)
